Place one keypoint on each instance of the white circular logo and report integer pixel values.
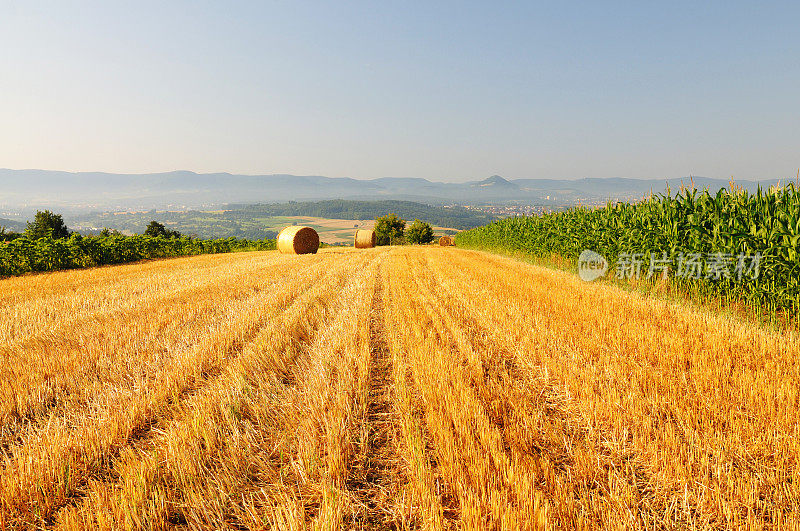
(591, 265)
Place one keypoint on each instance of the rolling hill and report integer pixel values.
(31, 189)
(266, 220)
(11, 225)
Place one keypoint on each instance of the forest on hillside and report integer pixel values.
(261, 221)
(455, 217)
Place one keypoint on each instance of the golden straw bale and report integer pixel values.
(364, 239)
(298, 240)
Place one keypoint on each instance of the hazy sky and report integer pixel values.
(453, 91)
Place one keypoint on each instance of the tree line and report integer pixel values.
(391, 230)
(48, 245)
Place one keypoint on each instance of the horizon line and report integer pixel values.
(653, 179)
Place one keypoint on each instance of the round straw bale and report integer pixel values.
(444, 241)
(298, 240)
(365, 239)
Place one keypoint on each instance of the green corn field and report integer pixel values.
(724, 227)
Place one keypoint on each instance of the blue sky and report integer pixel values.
(452, 91)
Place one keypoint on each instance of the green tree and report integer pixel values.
(389, 229)
(8, 235)
(46, 224)
(157, 229)
(419, 232)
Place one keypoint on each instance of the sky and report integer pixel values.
(449, 91)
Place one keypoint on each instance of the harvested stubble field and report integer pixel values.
(407, 387)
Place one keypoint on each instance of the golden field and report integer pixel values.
(402, 387)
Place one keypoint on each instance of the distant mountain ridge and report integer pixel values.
(30, 189)
(13, 226)
(495, 181)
